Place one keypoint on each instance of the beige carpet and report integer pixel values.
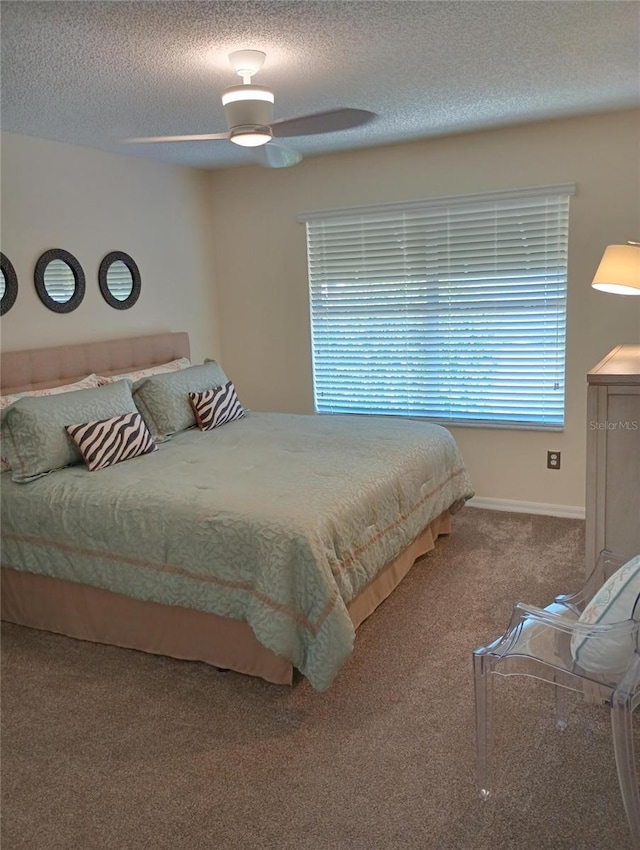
(108, 748)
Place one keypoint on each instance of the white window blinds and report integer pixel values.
(452, 309)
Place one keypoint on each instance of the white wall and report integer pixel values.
(260, 265)
(90, 203)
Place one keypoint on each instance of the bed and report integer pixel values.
(259, 547)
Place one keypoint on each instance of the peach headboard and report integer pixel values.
(36, 368)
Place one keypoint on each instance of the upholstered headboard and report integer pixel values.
(36, 368)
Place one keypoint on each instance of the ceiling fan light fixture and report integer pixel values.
(251, 92)
(250, 138)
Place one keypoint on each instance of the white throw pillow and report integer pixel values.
(613, 603)
(138, 374)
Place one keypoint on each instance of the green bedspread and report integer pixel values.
(275, 519)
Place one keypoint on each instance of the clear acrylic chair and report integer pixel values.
(537, 643)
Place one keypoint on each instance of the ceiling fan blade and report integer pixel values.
(204, 137)
(321, 122)
(275, 156)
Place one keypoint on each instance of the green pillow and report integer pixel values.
(163, 400)
(34, 427)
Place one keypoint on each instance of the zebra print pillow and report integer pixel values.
(110, 441)
(216, 407)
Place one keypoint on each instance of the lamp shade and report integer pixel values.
(619, 270)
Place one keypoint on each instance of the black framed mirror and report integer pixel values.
(119, 280)
(59, 281)
(8, 285)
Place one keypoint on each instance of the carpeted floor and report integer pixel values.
(108, 749)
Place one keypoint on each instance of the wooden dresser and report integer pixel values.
(613, 454)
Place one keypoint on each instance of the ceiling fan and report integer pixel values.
(249, 113)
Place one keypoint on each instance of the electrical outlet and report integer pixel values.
(553, 460)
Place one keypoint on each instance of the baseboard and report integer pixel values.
(568, 511)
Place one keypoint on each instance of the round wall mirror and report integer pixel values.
(59, 281)
(8, 285)
(119, 280)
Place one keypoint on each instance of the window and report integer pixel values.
(451, 309)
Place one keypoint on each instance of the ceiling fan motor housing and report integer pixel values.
(248, 106)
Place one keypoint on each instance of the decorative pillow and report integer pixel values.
(113, 440)
(5, 400)
(139, 374)
(614, 602)
(163, 400)
(34, 428)
(216, 407)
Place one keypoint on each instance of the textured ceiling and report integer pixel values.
(93, 73)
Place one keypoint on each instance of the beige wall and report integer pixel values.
(260, 265)
(184, 227)
(60, 196)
